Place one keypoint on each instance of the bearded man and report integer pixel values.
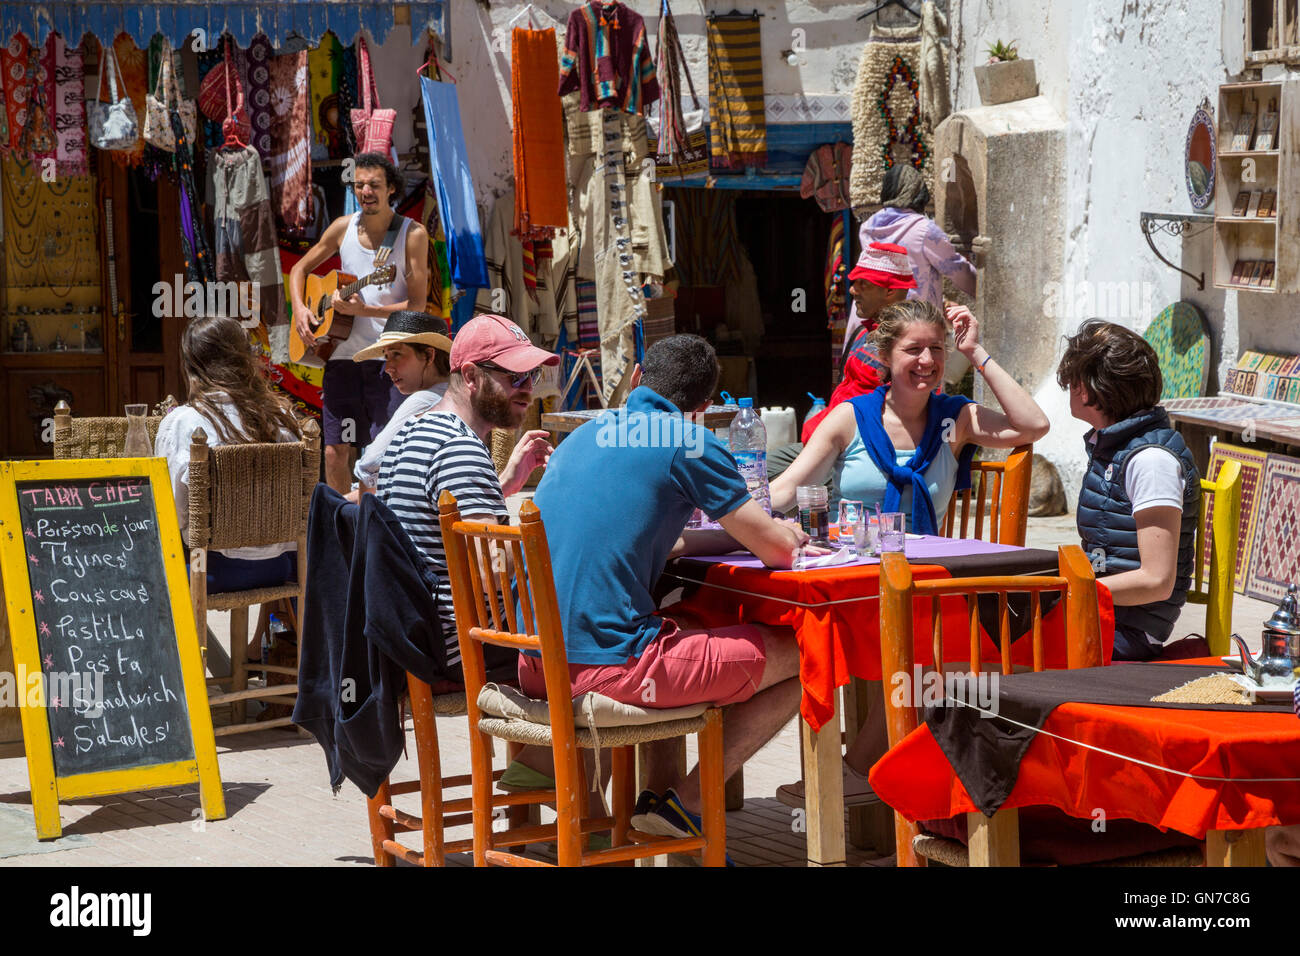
(493, 370)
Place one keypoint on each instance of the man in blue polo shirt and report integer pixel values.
(616, 498)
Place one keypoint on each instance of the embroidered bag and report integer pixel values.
(113, 124)
(216, 102)
(372, 127)
(157, 122)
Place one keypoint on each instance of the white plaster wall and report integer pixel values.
(1127, 76)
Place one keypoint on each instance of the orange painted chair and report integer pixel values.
(898, 590)
(1001, 487)
(484, 560)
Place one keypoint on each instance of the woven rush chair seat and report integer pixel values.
(241, 496)
(948, 852)
(598, 721)
(103, 437)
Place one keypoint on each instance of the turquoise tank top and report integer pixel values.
(858, 478)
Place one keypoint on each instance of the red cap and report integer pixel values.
(884, 264)
(495, 339)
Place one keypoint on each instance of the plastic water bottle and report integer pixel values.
(276, 629)
(749, 448)
(818, 404)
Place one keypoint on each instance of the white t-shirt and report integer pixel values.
(173, 443)
(1153, 478)
(417, 403)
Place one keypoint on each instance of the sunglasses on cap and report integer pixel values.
(516, 379)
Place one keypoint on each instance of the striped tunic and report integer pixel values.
(607, 57)
(431, 454)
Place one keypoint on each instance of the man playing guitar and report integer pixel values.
(357, 398)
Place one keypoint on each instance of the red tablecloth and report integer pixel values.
(835, 613)
(1190, 771)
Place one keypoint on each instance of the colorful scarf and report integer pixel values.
(14, 63)
(449, 160)
(422, 206)
(258, 90)
(940, 410)
(348, 98)
(325, 64)
(69, 107)
(675, 145)
(199, 264)
(290, 142)
(541, 189)
(737, 108)
(39, 139)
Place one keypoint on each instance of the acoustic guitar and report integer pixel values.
(330, 328)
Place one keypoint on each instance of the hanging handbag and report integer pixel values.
(158, 106)
(112, 125)
(372, 127)
(221, 98)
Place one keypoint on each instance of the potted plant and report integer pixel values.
(1006, 76)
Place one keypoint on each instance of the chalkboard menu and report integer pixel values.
(114, 694)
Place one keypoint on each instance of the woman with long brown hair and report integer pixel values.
(229, 398)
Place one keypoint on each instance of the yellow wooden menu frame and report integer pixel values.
(47, 788)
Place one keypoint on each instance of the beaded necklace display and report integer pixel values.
(14, 193)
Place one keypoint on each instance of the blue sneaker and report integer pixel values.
(645, 807)
(671, 819)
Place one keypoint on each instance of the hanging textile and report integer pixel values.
(826, 176)
(541, 190)
(588, 339)
(935, 102)
(737, 109)
(199, 264)
(290, 144)
(708, 241)
(245, 230)
(209, 128)
(618, 215)
(886, 106)
(69, 107)
(453, 183)
(835, 281)
(348, 98)
(325, 64)
(258, 93)
(39, 141)
(133, 67)
(683, 143)
(607, 57)
(13, 63)
(422, 206)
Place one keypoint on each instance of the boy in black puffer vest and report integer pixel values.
(1141, 494)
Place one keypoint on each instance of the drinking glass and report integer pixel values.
(853, 525)
(893, 531)
(137, 444)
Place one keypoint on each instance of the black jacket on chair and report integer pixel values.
(369, 617)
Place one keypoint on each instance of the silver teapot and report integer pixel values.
(1279, 658)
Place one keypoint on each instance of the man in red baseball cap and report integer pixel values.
(493, 370)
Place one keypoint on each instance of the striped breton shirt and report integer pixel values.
(431, 454)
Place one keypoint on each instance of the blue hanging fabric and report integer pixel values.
(454, 186)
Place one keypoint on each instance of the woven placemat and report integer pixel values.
(1215, 689)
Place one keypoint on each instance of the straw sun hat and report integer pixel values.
(408, 328)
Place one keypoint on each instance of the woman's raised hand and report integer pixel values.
(965, 328)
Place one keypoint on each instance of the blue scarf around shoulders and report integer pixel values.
(868, 409)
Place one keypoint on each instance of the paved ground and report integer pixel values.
(281, 811)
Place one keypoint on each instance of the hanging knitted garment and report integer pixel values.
(886, 107)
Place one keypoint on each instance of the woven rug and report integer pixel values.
(887, 126)
(1275, 552)
(1252, 471)
(1178, 336)
(738, 117)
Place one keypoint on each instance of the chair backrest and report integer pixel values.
(251, 495)
(93, 437)
(1220, 518)
(1003, 488)
(898, 590)
(483, 561)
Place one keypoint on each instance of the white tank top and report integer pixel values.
(359, 261)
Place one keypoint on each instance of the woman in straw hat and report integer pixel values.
(415, 349)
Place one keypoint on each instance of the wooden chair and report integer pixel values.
(1002, 487)
(93, 437)
(1221, 498)
(479, 577)
(898, 591)
(244, 496)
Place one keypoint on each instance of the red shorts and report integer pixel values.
(678, 668)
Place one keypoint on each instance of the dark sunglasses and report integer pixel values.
(516, 379)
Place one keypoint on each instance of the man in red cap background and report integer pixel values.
(493, 370)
